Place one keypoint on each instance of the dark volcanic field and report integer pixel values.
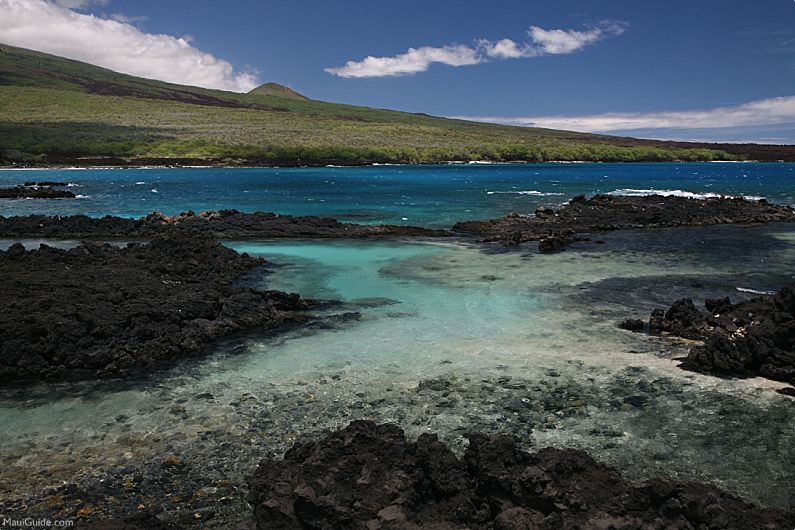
(370, 477)
(100, 311)
(554, 229)
(604, 213)
(225, 224)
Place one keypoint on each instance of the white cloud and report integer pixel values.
(558, 41)
(542, 42)
(77, 4)
(120, 46)
(127, 19)
(773, 111)
(413, 61)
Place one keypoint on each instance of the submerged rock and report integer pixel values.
(553, 243)
(101, 311)
(368, 476)
(632, 324)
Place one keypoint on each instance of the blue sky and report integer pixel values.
(677, 69)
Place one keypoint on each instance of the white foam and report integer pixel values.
(753, 291)
(632, 192)
(534, 193)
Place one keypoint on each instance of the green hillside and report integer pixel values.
(275, 89)
(59, 111)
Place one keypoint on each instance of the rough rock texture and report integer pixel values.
(368, 476)
(35, 191)
(751, 338)
(225, 224)
(682, 320)
(604, 213)
(99, 310)
(554, 229)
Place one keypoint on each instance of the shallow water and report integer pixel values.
(449, 338)
(435, 196)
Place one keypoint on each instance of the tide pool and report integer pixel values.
(446, 338)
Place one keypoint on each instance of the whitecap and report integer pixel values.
(154, 190)
(632, 192)
(753, 291)
(534, 193)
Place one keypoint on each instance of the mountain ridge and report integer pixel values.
(56, 111)
(275, 89)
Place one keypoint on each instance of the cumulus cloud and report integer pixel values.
(541, 42)
(53, 27)
(413, 61)
(764, 112)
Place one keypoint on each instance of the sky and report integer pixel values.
(685, 70)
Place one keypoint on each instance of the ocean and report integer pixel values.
(433, 196)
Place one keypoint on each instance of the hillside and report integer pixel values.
(275, 89)
(58, 111)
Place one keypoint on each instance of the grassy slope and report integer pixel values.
(54, 110)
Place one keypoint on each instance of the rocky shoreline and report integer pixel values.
(36, 190)
(553, 229)
(606, 213)
(748, 339)
(102, 311)
(224, 224)
(368, 476)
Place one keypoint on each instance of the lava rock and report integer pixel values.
(605, 213)
(34, 192)
(632, 324)
(751, 338)
(368, 476)
(682, 320)
(102, 311)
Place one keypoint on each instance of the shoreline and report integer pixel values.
(73, 167)
(195, 476)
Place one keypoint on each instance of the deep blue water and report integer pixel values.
(421, 195)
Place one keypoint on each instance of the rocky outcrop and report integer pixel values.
(369, 477)
(603, 213)
(35, 192)
(224, 224)
(99, 310)
(751, 338)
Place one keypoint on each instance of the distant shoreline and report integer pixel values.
(72, 167)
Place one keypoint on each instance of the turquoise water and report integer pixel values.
(421, 195)
(520, 342)
(445, 337)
